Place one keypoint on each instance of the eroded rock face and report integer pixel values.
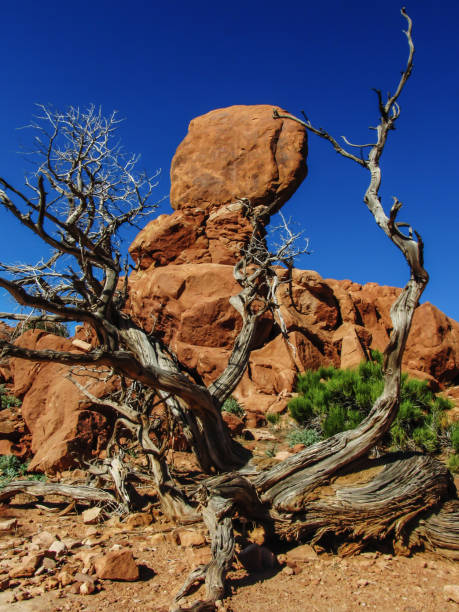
(64, 428)
(330, 323)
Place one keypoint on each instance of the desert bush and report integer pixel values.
(453, 463)
(303, 436)
(7, 400)
(454, 436)
(273, 418)
(11, 468)
(341, 399)
(232, 405)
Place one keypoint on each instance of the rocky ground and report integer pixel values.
(54, 558)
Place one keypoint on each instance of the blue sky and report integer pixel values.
(161, 64)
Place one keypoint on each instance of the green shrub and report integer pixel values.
(273, 418)
(341, 399)
(454, 435)
(453, 463)
(11, 468)
(303, 436)
(8, 400)
(232, 405)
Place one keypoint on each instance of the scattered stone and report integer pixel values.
(51, 583)
(27, 567)
(140, 519)
(189, 537)
(288, 570)
(282, 455)
(91, 516)
(158, 538)
(23, 595)
(117, 565)
(64, 578)
(8, 525)
(296, 448)
(261, 434)
(233, 422)
(43, 540)
(87, 588)
(48, 564)
(362, 582)
(4, 582)
(451, 592)
(301, 554)
(57, 549)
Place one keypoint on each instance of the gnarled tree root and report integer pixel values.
(440, 530)
(387, 507)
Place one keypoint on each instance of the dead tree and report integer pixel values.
(411, 501)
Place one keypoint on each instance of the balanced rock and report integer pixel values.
(240, 151)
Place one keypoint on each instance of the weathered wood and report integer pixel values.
(440, 530)
(385, 506)
(81, 494)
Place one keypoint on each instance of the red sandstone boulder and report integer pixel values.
(240, 151)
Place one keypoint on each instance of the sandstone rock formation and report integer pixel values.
(229, 153)
(184, 279)
(64, 429)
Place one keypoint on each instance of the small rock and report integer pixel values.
(233, 422)
(91, 516)
(48, 564)
(362, 583)
(4, 583)
(87, 588)
(189, 537)
(52, 583)
(288, 570)
(27, 567)
(301, 554)
(261, 434)
(282, 455)
(81, 344)
(23, 595)
(296, 448)
(451, 592)
(64, 578)
(117, 565)
(140, 519)
(8, 525)
(43, 540)
(82, 577)
(158, 538)
(57, 549)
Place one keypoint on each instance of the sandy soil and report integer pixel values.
(371, 580)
